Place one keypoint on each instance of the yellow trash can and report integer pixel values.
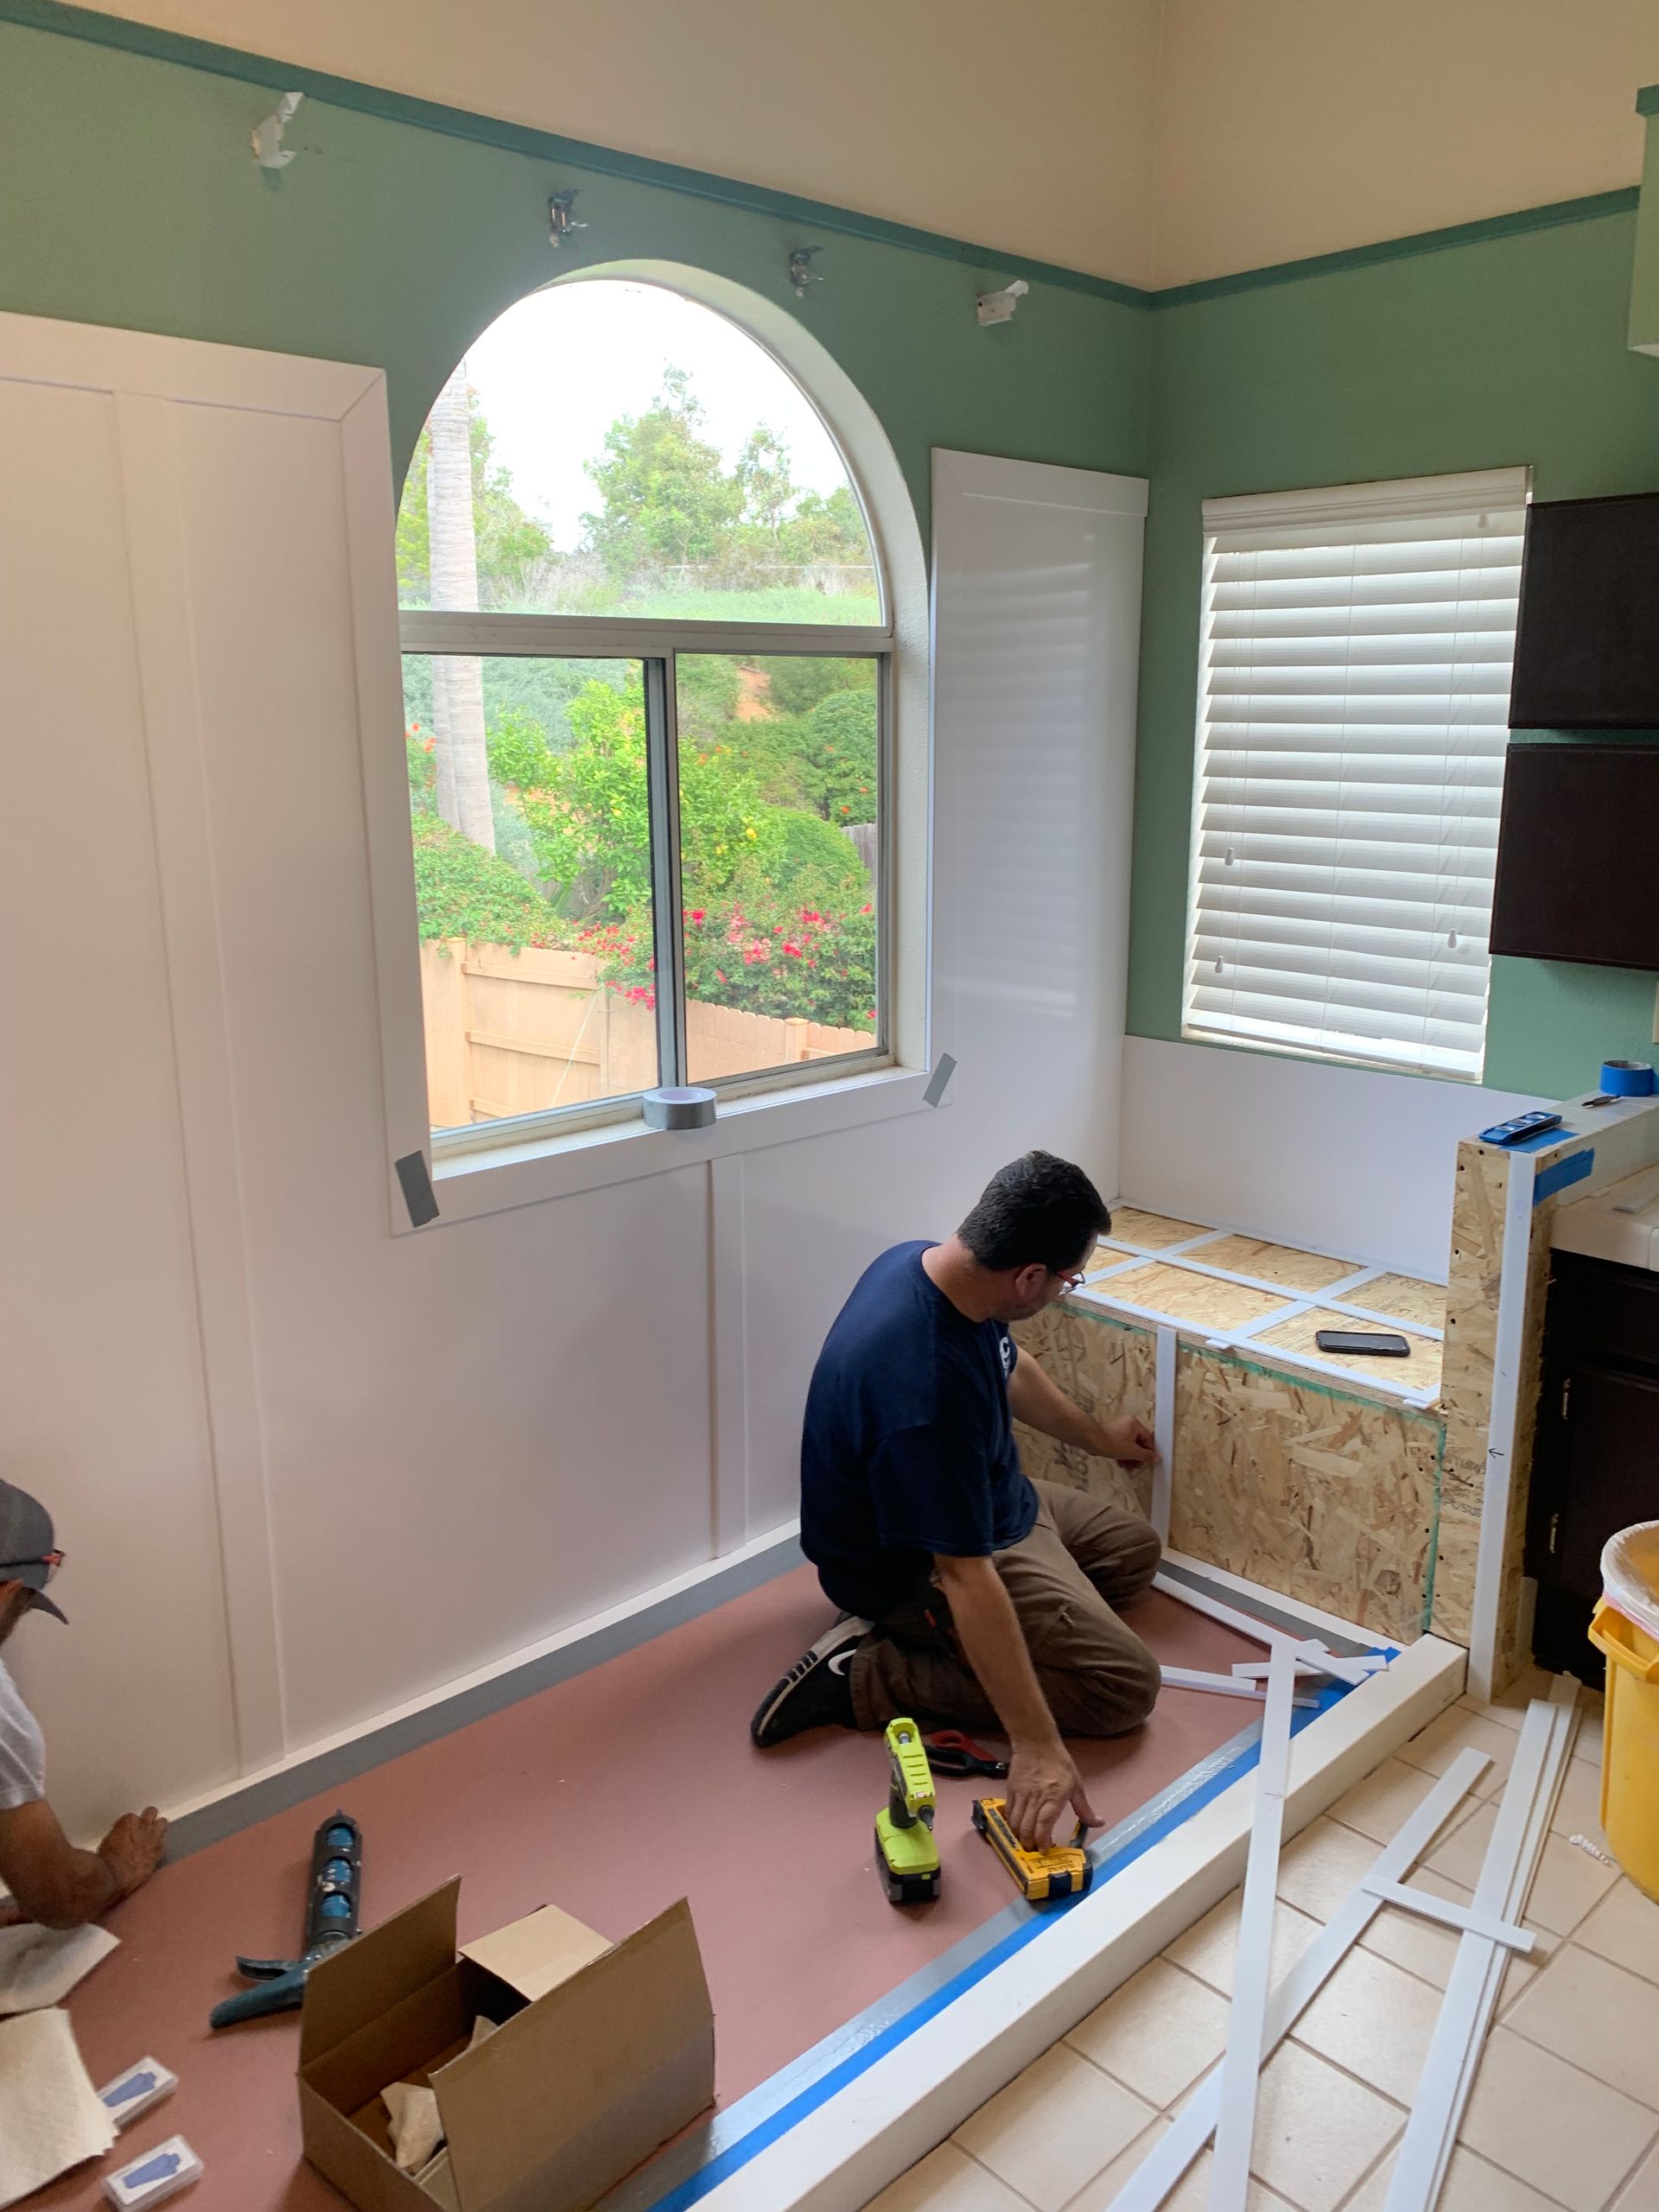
(1626, 1628)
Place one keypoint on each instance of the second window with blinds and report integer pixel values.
(1353, 705)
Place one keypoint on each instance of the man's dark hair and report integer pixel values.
(1036, 1210)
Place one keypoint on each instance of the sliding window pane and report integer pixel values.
(528, 805)
(780, 834)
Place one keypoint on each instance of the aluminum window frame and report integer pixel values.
(656, 645)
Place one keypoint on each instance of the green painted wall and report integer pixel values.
(131, 197)
(1506, 349)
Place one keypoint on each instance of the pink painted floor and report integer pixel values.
(610, 1795)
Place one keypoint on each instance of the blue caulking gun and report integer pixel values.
(331, 1910)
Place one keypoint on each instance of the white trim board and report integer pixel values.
(837, 2156)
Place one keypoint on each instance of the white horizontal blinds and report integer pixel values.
(1352, 717)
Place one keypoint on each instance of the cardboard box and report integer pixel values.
(603, 2052)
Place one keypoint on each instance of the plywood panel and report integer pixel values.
(1154, 1230)
(1322, 1496)
(1168, 1288)
(1419, 1371)
(1407, 1297)
(1282, 1263)
(1108, 1369)
(1477, 1260)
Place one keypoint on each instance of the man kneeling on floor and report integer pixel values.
(49, 1880)
(970, 1597)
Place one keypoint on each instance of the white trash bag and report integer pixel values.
(1630, 1575)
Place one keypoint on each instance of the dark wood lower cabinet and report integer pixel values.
(1596, 1465)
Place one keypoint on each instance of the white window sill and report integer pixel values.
(470, 1184)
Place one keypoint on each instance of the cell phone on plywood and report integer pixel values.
(1377, 1342)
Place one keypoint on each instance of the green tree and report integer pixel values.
(839, 750)
(462, 890)
(764, 483)
(510, 543)
(796, 682)
(667, 499)
(828, 530)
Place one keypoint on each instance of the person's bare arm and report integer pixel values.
(1039, 1402)
(1042, 1777)
(55, 1884)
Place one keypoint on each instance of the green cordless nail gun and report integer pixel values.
(331, 1910)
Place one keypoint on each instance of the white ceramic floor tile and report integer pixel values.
(1592, 2012)
(1568, 1882)
(1542, 2121)
(1578, 1810)
(1191, 2194)
(1378, 1807)
(1375, 2021)
(947, 2180)
(1471, 2186)
(1322, 1865)
(1316, 2131)
(1423, 1946)
(1158, 2033)
(1591, 1726)
(1624, 1927)
(1509, 1705)
(1097, 2195)
(1054, 2128)
(1641, 2192)
(1209, 1947)
(1454, 1731)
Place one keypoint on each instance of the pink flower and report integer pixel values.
(698, 914)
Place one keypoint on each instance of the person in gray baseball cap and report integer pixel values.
(49, 1880)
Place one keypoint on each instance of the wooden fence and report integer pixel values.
(515, 1032)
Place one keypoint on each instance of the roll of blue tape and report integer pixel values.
(1626, 1078)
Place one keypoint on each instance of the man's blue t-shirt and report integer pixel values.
(908, 1447)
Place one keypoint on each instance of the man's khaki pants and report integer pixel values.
(1081, 1559)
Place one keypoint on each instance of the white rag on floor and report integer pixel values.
(50, 2116)
(39, 1965)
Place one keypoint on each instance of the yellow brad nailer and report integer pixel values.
(906, 1857)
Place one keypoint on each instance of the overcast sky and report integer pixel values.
(557, 370)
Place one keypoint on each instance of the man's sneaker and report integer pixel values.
(816, 1692)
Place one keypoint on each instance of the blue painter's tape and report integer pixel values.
(1572, 1169)
(768, 2131)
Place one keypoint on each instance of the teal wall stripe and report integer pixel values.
(1552, 217)
(146, 40)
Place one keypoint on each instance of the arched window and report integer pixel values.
(646, 648)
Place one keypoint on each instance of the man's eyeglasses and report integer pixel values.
(1075, 1281)
(50, 1561)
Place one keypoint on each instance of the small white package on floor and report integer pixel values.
(154, 2176)
(39, 1965)
(50, 2117)
(136, 2090)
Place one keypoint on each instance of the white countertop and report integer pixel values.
(1621, 1222)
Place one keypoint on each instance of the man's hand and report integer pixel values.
(134, 1848)
(1043, 1778)
(1128, 1441)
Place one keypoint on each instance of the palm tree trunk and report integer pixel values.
(457, 679)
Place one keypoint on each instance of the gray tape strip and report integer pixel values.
(417, 1189)
(1283, 1616)
(943, 1070)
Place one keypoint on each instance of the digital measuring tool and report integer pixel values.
(332, 1901)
